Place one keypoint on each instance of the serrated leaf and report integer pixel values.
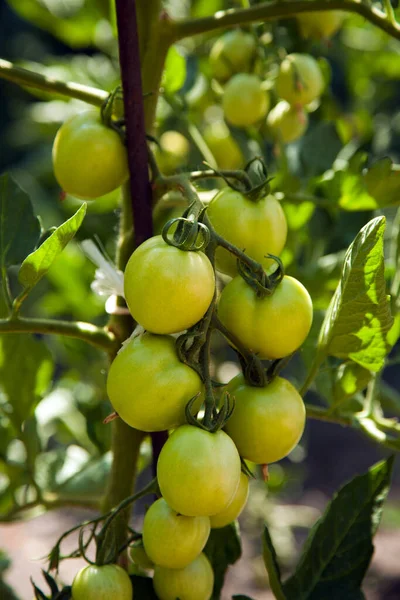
(175, 71)
(358, 318)
(36, 265)
(26, 369)
(272, 566)
(223, 549)
(19, 228)
(340, 547)
(143, 587)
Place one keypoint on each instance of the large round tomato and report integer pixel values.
(233, 510)
(300, 79)
(171, 539)
(273, 326)
(223, 146)
(320, 25)
(89, 159)
(109, 582)
(167, 289)
(267, 422)
(147, 384)
(139, 556)
(194, 582)
(245, 102)
(232, 53)
(198, 472)
(258, 228)
(287, 123)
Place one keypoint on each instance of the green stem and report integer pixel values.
(391, 17)
(278, 9)
(96, 336)
(319, 359)
(6, 288)
(26, 78)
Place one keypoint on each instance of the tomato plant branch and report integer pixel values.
(26, 78)
(96, 336)
(278, 9)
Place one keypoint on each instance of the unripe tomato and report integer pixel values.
(273, 326)
(267, 422)
(167, 289)
(194, 582)
(223, 146)
(244, 100)
(320, 25)
(198, 472)
(232, 53)
(109, 582)
(89, 159)
(233, 510)
(139, 556)
(287, 123)
(171, 539)
(300, 79)
(174, 151)
(149, 386)
(258, 227)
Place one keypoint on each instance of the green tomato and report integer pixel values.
(223, 146)
(198, 472)
(267, 422)
(259, 228)
(300, 79)
(233, 52)
(287, 123)
(171, 539)
(167, 289)
(105, 204)
(194, 582)
(233, 510)
(174, 151)
(320, 25)
(139, 556)
(89, 159)
(149, 386)
(271, 327)
(244, 100)
(109, 582)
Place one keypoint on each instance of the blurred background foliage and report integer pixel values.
(331, 182)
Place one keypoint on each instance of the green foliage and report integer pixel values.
(223, 549)
(174, 72)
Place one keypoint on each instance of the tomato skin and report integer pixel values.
(172, 540)
(244, 100)
(139, 557)
(149, 386)
(109, 582)
(198, 472)
(167, 289)
(258, 227)
(223, 146)
(232, 53)
(300, 79)
(89, 159)
(271, 327)
(194, 582)
(235, 507)
(287, 123)
(320, 25)
(267, 423)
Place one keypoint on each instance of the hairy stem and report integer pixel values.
(26, 78)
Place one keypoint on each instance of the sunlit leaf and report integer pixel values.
(175, 71)
(223, 549)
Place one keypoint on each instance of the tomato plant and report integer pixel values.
(89, 158)
(236, 275)
(109, 582)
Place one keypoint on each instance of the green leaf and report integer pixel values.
(26, 369)
(358, 318)
(382, 181)
(36, 265)
(143, 587)
(350, 378)
(339, 549)
(272, 566)
(19, 228)
(223, 549)
(175, 71)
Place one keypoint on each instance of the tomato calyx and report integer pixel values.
(112, 112)
(190, 234)
(219, 417)
(262, 283)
